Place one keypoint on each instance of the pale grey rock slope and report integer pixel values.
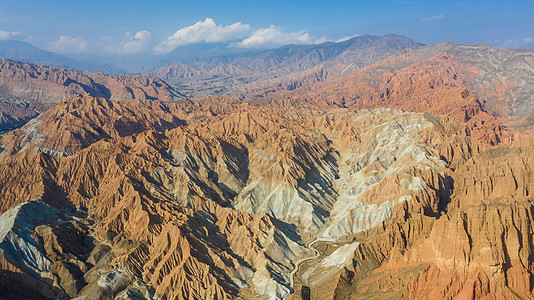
(17, 244)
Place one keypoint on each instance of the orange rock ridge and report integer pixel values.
(179, 211)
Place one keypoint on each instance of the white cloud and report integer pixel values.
(273, 36)
(203, 31)
(6, 35)
(321, 40)
(433, 18)
(346, 38)
(516, 43)
(67, 44)
(140, 42)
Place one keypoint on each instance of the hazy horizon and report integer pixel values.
(120, 27)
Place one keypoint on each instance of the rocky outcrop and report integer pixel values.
(82, 120)
(261, 200)
(253, 72)
(230, 243)
(501, 77)
(436, 85)
(477, 82)
(45, 84)
(16, 113)
(29, 89)
(477, 246)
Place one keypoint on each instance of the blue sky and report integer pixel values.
(119, 27)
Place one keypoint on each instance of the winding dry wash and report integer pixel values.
(230, 161)
(302, 260)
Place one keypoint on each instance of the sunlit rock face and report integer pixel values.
(26, 90)
(225, 199)
(216, 206)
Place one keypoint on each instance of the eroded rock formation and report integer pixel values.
(245, 200)
(28, 89)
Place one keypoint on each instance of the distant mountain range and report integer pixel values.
(218, 68)
(238, 74)
(351, 73)
(293, 57)
(22, 51)
(210, 55)
(423, 78)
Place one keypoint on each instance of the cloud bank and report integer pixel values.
(516, 43)
(6, 35)
(140, 42)
(235, 35)
(346, 38)
(273, 36)
(203, 31)
(68, 44)
(238, 34)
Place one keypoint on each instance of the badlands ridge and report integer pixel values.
(408, 176)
